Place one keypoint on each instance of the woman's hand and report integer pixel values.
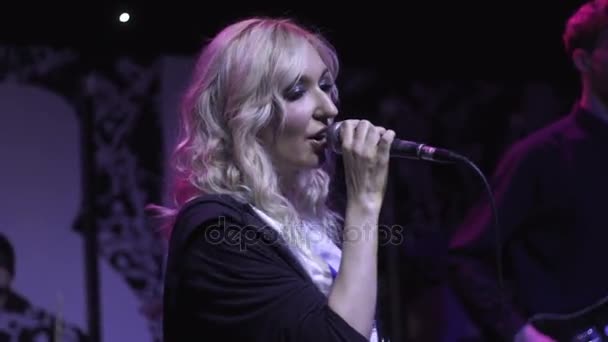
(366, 153)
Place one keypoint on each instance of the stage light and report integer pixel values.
(124, 17)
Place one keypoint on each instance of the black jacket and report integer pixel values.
(229, 277)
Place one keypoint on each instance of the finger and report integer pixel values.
(384, 146)
(377, 134)
(346, 133)
(360, 135)
(371, 140)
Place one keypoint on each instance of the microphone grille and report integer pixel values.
(333, 137)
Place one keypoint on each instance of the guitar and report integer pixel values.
(589, 324)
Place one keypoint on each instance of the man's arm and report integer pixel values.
(473, 248)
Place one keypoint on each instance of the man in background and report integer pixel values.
(550, 190)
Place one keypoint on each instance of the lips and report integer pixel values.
(318, 143)
(320, 135)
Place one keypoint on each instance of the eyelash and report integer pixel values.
(327, 87)
(297, 91)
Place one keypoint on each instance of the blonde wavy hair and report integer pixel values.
(236, 91)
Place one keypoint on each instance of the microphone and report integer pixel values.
(399, 148)
(420, 151)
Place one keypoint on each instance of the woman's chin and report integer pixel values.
(321, 158)
(316, 159)
(314, 162)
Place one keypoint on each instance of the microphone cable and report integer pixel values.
(488, 188)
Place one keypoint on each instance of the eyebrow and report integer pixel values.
(304, 77)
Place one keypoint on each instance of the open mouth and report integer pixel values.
(318, 141)
(319, 136)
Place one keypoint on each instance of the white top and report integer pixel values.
(322, 246)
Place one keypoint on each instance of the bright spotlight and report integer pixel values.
(124, 17)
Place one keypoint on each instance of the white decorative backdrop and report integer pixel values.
(45, 94)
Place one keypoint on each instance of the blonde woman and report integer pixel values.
(255, 254)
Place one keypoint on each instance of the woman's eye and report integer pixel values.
(326, 87)
(294, 93)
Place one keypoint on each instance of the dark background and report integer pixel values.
(420, 39)
(469, 75)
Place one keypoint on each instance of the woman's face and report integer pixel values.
(309, 109)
